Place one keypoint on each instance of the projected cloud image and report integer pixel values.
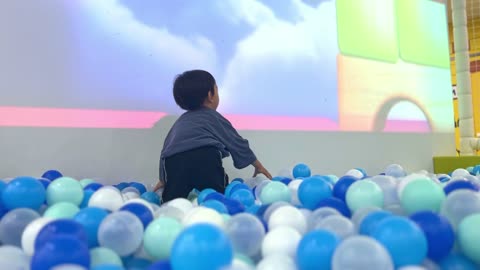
(280, 65)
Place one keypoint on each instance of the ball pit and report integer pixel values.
(393, 220)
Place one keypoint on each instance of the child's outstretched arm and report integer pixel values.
(260, 169)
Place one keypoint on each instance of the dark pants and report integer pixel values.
(200, 168)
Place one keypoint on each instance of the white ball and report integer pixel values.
(282, 241)
(68, 267)
(355, 173)
(288, 216)
(276, 262)
(170, 211)
(182, 204)
(293, 186)
(127, 196)
(12, 257)
(203, 215)
(107, 197)
(460, 172)
(30, 234)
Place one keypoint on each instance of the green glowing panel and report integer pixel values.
(366, 28)
(422, 32)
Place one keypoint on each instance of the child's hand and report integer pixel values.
(159, 186)
(260, 169)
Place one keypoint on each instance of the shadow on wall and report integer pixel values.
(382, 114)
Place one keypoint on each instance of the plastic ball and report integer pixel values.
(160, 236)
(257, 191)
(170, 211)
(406, 180)
(318, 215)
(215, 205)
(312, 190)
(361, 252)
(395, 170)
(315, 250)
(276, 261)
(246, 233)
(202, 215)
(460, 204)
(288, 216)
(91, 218)
(355, 173)
(13, 224)
(294, 186)
(108, 198)
(370, 222)
(342, 185)
(229, 188)
(142, 212)
(104, 256)
(182, 204)
(45, 182)
(388, 184)
(438, 232)
(364, 193)
(122, 185)
(93, 186)
(30, 234)
(12, 257)
(421, 195)
(87, 194)
(160, 265)
(337, 224)
(237, 187)
(403, 239)
(460, 172)
(476, 170)
(270, 208)
(107, 267)
(469, 237)
(281, 240)
(61, 210)
(65, 189)
(62, 249)
(151, 197)
(59, 227)
(336, 204)
(456, 185)
(206, 247)
(301, 170)
(139, 186)
(85, 182)
(244, 196)
(203, 194)
(275, 192)
(457, 262)
(23, 192)
(52, 175)
(122, 232)
(361, 213)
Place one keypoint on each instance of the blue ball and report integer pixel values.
(444, 179)
(244, 196)
(214, 196)
(315, 250)
(253, 209)
(237, 187)
(204, 193)
(234, 207)
(23, 192)
(262, 209)
(87, 194)
(457, 262)
(122, 185)
(93, 186)
(45, 182)
(370, 222)
(151, 197)
(137, 264)
(215, 205)
(229, 187)
(476, 170)
(107, 267)
(438, 231)
(160, 265)
(301, 170)
(277, 178)
(141, 211)
(337, 204)
(52, 175)
(342, 185)
(62, 249)
(238, 180)
(403, 239)
(139, 186)
(3, 185)
(286, 180)
(459, 184)
(362, 171)
(58, 228)
(313, 190)
(206, 247)
(91, 218)
(325, 178)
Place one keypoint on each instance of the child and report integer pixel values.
(198, 141)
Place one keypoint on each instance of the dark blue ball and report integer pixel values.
(214, 196)
(122, 185)
(139, 186)
(459, 184)
(438, 231)
(93, 186)
(337, 204)
(52, 175)
(160, 265)
(342, 185)
(233, 206)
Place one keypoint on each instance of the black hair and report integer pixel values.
(191, 88)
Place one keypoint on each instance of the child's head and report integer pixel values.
(195, 89)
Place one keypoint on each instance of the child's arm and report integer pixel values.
(260, 169)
